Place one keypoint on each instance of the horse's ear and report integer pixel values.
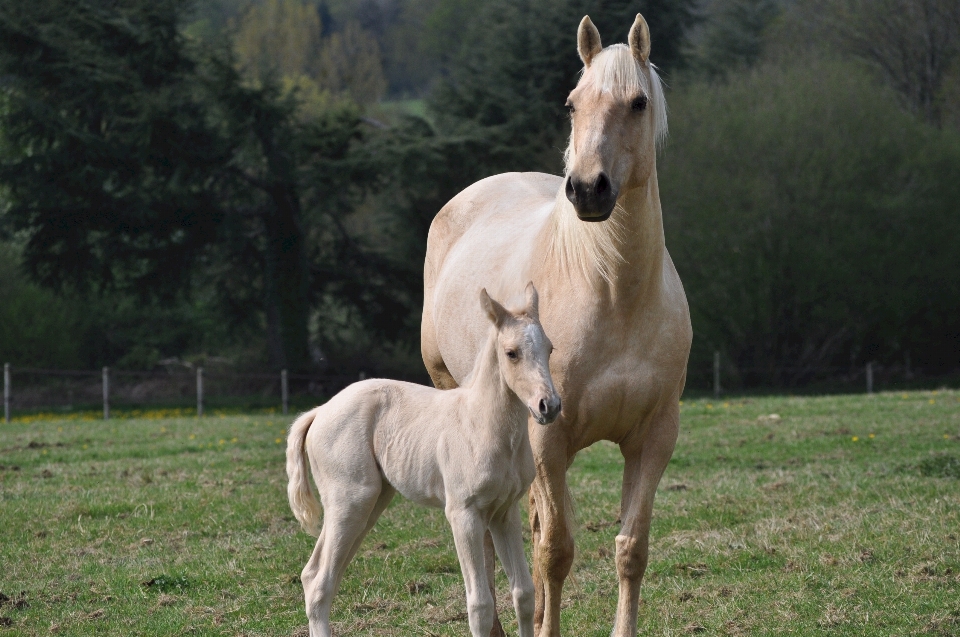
(588, 41)
(533, 302)
(640, 40)
(495, 312)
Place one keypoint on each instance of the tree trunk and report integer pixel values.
(286, 285)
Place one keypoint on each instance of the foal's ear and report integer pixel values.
(588, 41)
(495, 312)
(639, 40)
(533, 302)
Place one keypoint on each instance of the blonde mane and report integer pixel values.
(593, 247)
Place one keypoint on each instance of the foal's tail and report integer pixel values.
(303, 502)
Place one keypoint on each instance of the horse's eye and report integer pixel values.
(640, 103)
(511, 354)
(569, 105)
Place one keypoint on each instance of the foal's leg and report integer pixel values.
(345, 521)
(644, 463)
(508, 537)
(490, 562)
(468, 529)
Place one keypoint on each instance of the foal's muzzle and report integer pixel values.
(593, 199)
(548, 409)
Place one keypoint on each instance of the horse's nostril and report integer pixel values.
(571, 192)
(543, 406)
(603, 185)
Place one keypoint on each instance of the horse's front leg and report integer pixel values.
(508, 538)
(552, 537)
(469, 528)
(644, 463)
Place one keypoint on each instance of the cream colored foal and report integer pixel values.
(466, 450)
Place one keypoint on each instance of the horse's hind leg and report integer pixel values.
(345, 522)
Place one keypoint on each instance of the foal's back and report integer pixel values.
(396, 425)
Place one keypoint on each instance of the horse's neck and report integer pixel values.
(493, 411)
(623, 255)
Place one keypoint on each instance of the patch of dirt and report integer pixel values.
(677, 487)
(100, 613)
(6, 622)
(698, 569)
(12, 467)
(593, 527)
(418, 588)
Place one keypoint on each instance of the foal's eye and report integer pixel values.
(569, 106)
(639, 103)
(512, 354)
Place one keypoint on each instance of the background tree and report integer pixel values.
(158, 160)
(913, 43)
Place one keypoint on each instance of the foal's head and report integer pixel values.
(618, 116)
(523, 354)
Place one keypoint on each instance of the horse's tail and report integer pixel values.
(303, 502)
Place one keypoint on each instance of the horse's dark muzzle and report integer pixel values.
(594, 200)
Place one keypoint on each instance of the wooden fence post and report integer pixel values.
(6, 392)
(199, 392)
(106, 393)
(869, 378)
(284, 392)
(716, 374)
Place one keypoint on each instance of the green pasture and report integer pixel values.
(840, 517)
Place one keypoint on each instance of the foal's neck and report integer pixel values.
(492, 407)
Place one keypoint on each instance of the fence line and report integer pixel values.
(315, 384)
(44, 387)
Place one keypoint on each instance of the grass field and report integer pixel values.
(842, 517)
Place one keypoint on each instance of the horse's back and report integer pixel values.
(504, 194)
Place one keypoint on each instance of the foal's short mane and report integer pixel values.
(587, 247)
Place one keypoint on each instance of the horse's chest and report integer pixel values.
(610, 397)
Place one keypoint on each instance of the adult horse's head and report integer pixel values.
(618, 116)
(523, 354)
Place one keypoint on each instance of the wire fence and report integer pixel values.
(27, 388)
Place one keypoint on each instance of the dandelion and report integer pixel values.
(278, 440)
(163, 430)
(84, 446)
(725, 405)
(855, 438)
(904, 396)
(233, 440)
(709, 406)
(44, 452)
(59, 428)
(192, 436)
(931, 401)
(222, 441)
(872, 436)
(681, 403)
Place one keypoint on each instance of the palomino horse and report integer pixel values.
(613, 304)
(466, 451)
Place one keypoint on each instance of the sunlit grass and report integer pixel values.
(841, 515)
